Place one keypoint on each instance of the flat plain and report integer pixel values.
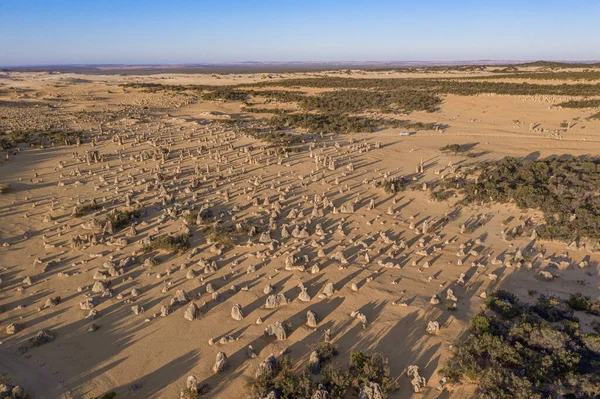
(150, 222)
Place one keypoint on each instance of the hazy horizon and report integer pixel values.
(277, 62)
(158, 32)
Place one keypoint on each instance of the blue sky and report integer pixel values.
(183, 31)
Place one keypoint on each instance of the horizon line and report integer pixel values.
(272, 62)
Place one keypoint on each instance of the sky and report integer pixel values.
(60, 32)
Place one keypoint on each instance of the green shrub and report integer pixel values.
(326, 351)
(281, 139)
(504, 303)
(341, 123)
(337, 382)
(593, 103)
(527, 356)
(287, 383)
(579, 302)
(552, 309)
(563, 189)
(258, 110)
(225, 235)
(393, 185)
(438, 86)
(368, 367)
(122, 217)
(290, 384)
(62, 137)
(441, 195)
(85, 209)
(170, 244)
(481, 324)
(206, 217)
(225, 93)
(455, 148)
(357, 101)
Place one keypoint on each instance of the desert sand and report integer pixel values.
(312, 218)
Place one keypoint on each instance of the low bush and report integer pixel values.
(122, 217)
(505, 304)
(368, 367)
(206, 217)
(455, 148)
(275, 111)
(357, 101)
(579, 302)
(85, 209)
(326, 351)
(217, 234)
(565, 190)
(594, 116)
(591, 103)
(341, 123)
(169, 243)
(61, 137)
(539, 354)
(442, 195)
(393, 185)
(364, 367)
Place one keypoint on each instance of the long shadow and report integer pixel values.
(150, 385)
